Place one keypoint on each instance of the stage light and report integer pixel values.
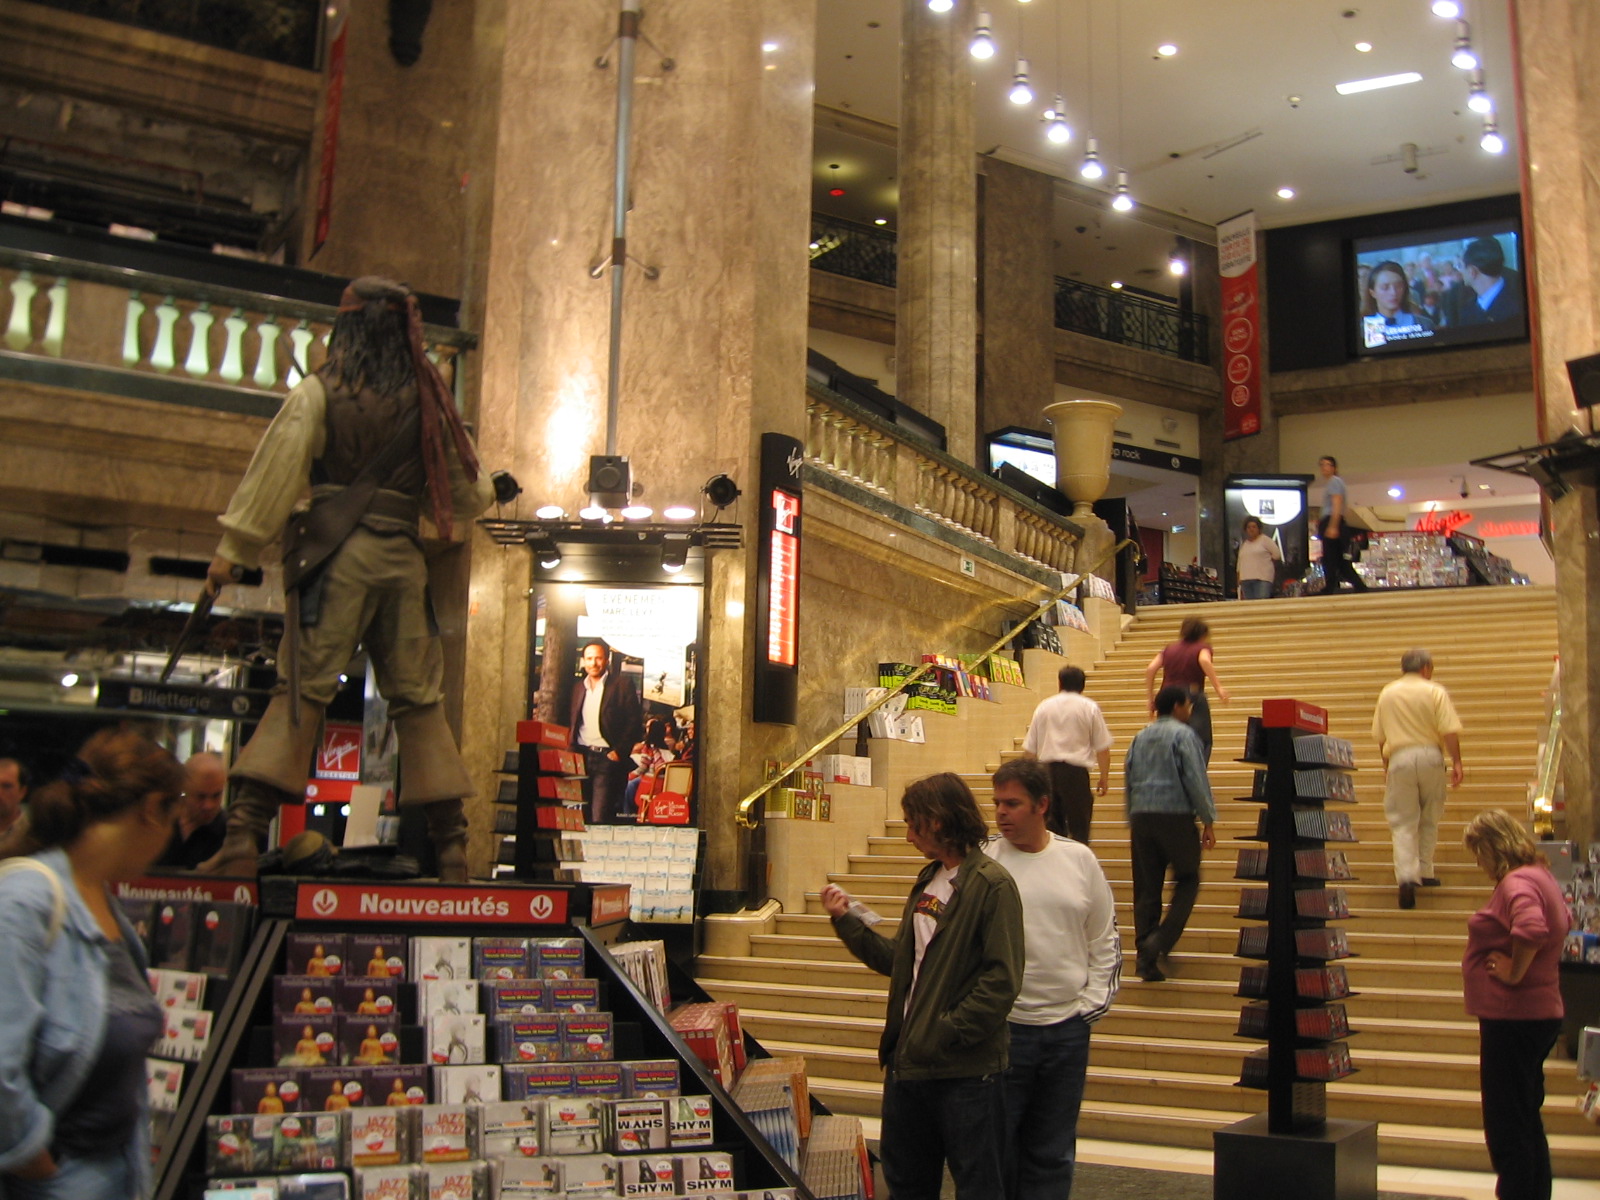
(674, 552)
(550, 512)
(678, 512)
(721, 490)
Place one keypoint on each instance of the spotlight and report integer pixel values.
(1122, 201)
(1491, 141)
(545, 551)
(1364, 47)
(1091, 168)
(1448, 9)
(1463, 58)
(1056, 127)
(70, 679)
(550, 512)
(592, 512)
(1176, 265)
(678, 512)
(1166, 49)
(1478, 95)
(1021, 93)
(1396, 492)
(982, 38)
(1286, 193)
(880, 220)
(674, 552)
(721, 490)
(1116, 285)
(638, 512)
(941, 6)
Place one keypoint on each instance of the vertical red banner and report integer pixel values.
(1241, 327)
(330, 136)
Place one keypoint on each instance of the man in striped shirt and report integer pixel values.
(1071, 973)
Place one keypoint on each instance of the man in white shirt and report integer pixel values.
(1070, 975)
(1068, 735)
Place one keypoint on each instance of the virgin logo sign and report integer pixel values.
(1443, 522)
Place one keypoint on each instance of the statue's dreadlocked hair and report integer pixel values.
(368, 347)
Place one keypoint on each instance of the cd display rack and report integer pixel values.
(542, 807)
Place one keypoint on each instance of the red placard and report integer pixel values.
(189, 887)
(339, 756)
(667, 808)
(1294, 714)
(543, 733)
(330, 137)
(328, 791)
(784, 563)
(441, 905)
(1241, 327)
(608, 904)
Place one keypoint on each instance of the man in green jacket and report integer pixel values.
(954, 967)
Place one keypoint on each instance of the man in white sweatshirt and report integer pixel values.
(1073, 966)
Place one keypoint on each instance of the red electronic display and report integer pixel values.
(784, 565)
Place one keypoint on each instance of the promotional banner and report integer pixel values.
(333, 105)
(434, 905)
(1241, 327)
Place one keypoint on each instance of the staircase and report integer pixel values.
(1165, 1059)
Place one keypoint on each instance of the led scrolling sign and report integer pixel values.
(776, 683)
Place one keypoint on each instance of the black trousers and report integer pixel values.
(1511, 1058)
(1336, 568)
(1160, 841)
(1071, 800)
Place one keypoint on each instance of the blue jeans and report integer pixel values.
(1044, 1090)
(1255, 589)
(78, 1178)
(928, 1122)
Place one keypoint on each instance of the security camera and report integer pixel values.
(1463, 491)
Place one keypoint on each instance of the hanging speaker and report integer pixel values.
(610, 482)
(1585, 376)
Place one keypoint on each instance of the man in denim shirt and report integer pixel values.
(1167, 790)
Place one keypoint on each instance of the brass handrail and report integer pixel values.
(743, 813)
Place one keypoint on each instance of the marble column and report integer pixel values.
(1558, 43)
(713, 350)
(936, 292)
(1017, 291)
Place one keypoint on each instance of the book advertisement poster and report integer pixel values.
(616, 665)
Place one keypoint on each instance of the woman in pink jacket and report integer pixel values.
(1511, 981)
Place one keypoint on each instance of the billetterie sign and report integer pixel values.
(387, 902)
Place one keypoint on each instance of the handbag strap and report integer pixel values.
(58, 914)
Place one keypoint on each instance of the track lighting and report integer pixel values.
(1464, 58)
(1021, 93)
(545, 551)
(1122, 201)
(674, 552)
(982, 38)
(1478, 99)
(1091, 168)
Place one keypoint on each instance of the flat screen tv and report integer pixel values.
(1452, 286)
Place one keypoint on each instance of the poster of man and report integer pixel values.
(616, 665)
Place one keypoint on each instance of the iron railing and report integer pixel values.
(1115, 316)
(854, 251)
(281, 31)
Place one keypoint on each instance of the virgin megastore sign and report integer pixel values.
(386, 902)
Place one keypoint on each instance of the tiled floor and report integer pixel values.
(1424, 1181)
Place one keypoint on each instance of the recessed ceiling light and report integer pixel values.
(1166, 49)
(1396, 492)
(880, 220)
(1286, 193)
(1364, 47)
(1484, 487)
(1373, 85)
(768, 47)
(1116, 284)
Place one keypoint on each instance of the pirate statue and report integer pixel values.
(376, 434)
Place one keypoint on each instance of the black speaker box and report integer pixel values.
(610, 480)
(1585, 376)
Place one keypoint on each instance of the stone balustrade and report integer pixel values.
(122, 320)
(854, 446)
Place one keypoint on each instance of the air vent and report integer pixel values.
(1169, 445)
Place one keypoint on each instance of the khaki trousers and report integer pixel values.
(1413, 803)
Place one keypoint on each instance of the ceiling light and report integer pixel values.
(550, 512)
(674, 552)
(1449, 9)
(1176, 266)
(1373, 85)
(1484, 487)
(880, 220)
(1091, 168)
(1286, 193)
(1364, 47)
(1166, 49)
(1058, 131)
(1116, 285)
(678, 512)
(638, 512)
(1122, 201)
(70, 679)
(1396, 492)
(1491, 141)
(768, 47)
(982, 38)
(1478, 99)
(941, 6)
(1021, 93)
(1463, 58)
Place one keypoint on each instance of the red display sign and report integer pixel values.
(608, 904)
(339, 756)
(784, 566)
(332, 105)
(441, 905)
(1443, 522)
(1241, 327)
(1294, 714)
(189, 887)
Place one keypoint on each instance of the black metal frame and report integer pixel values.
(1117, 316)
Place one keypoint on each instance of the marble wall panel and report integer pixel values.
(1018, 296)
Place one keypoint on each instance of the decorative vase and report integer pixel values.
(1083, 431)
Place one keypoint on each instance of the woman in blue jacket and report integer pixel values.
(76, 1014)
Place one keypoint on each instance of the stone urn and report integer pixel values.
(1083, 430)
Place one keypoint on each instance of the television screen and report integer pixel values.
(1449, 287)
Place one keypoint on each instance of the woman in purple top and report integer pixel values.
(1511, 982)
(1186, 663)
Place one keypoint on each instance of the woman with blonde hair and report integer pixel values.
(1511, 981)
(76, 1014)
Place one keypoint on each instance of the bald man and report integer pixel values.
(202, 824)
